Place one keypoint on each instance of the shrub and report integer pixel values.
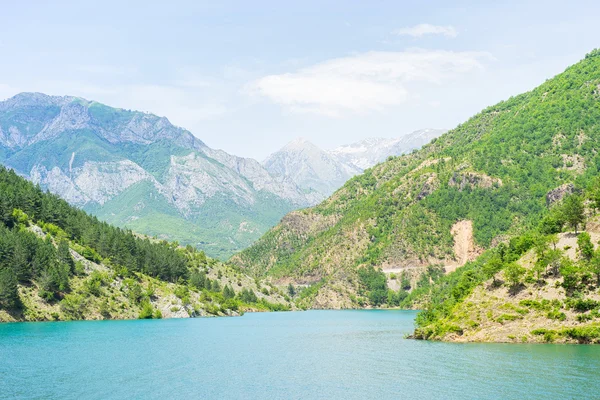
(73, 306)
(557, 315)
(508, 317)
(183, 293)
(147, 311)
(583, 305)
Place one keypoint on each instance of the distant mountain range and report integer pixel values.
(139, 171)
(320, 172)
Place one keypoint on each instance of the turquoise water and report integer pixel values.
(297, 355)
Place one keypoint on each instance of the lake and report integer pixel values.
(294, 355)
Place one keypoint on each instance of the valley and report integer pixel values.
(405, 229)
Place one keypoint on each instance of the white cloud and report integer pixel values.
(427, 29)
(365, 82)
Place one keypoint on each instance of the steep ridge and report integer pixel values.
(495, 170)
(138, 170)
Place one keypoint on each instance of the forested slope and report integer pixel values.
(57, 262)
(500, 170)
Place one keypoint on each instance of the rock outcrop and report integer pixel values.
(556, 195)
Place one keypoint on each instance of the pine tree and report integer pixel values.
(9, 295)
(573, 211)
(585, 246)
(64, 255)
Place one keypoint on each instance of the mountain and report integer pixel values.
(59, 263)
(372, 151)
(137, 170)
(320, 172)
(314, 170)
(406, 222)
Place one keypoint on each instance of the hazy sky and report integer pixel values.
(249, 76)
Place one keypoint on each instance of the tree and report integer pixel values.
(228, 292)
(514, 274)
(291, 290)
(491, 267)
(553, 259)
(594, 265)
(572, 274)
(594, 195)
(573, 211)
(9, 295)
(404, 281)
(553, 239)
(539, 268)
(553, 222)
(392, 298)
(585, 246)
(64, 255)
(198, 280)
(248, 296)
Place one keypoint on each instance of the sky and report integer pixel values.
(249, 76)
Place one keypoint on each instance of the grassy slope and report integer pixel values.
(400, 212)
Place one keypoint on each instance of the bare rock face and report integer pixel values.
(12, 137)
(368, 152)
(462, 180)
(73, 116)
(431, 184)
(102, 181)
(58, 182)
(556, 195)
(312, 169)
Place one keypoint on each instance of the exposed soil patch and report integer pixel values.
(464, 246)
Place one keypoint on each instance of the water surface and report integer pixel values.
(295, 355)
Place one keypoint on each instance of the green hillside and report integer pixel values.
(59, 263)
(541, 286)
(495, 170)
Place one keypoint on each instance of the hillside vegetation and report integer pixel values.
(500, 170)
(59, 263)
(542, 286)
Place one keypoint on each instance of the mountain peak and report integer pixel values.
(29, 99)
(76, 112)
(300, 143)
